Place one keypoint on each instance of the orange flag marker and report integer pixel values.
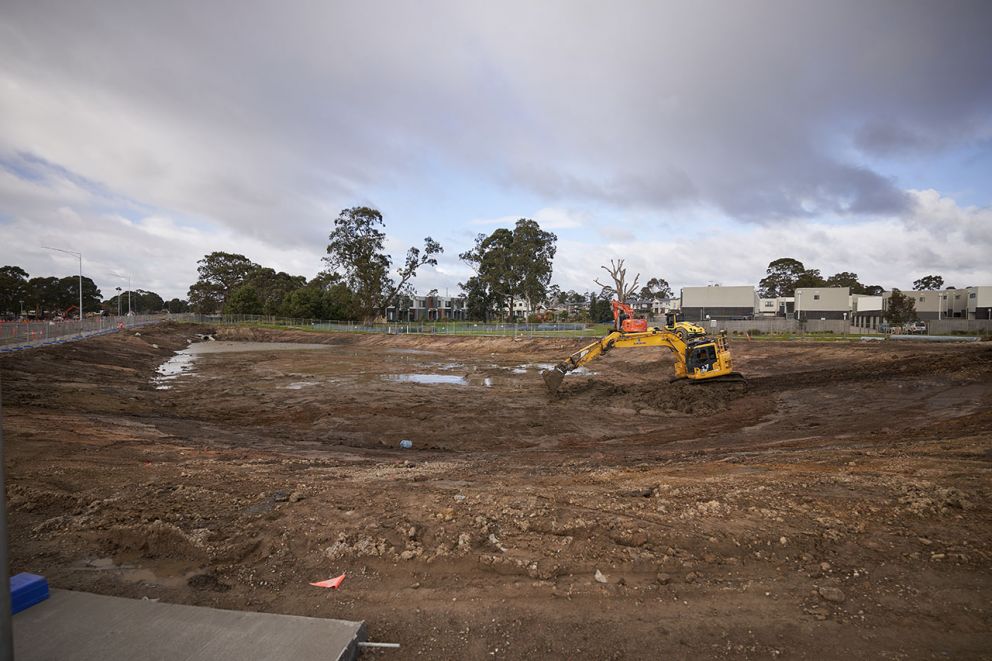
(330, 583)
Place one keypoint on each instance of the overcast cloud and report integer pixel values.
(698, 140)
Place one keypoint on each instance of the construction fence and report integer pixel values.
(16, 335)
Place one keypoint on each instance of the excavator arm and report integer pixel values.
(697, 360)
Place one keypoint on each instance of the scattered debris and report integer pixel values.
(332, 583)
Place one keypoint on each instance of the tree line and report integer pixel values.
(46, 297)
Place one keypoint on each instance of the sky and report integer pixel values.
(698, 141)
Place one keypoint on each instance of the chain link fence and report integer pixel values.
(439, 327)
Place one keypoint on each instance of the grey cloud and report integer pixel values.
(263, 116)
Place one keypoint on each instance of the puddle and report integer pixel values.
(430, 379)
(540, 367)
(413, 352)
(182, 362)
(300, 385)
(234, 347)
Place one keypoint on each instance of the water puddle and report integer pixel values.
(429, 379)
(235, 347)
(182, 362)
(300, 385)
(540, 367)
(413, 352)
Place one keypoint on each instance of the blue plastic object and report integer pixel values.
(26, 590)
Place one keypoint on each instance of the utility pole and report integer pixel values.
(80, 256)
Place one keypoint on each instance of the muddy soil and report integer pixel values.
(839, 507)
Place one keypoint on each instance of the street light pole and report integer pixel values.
(118, 301)
(80, 256)
(129, 294)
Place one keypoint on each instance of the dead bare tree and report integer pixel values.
(619, 275)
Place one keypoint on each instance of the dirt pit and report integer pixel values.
(838, 507)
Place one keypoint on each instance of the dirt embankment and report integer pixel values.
(838, 508)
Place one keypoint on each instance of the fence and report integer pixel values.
(16, 335)
(441, 327)
(958, 326)
(780, 325)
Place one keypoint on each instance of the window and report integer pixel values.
(971, 295)
(922, 298)
(816, 297)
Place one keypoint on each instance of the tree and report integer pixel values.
(13, 288)
(480, 302)
(928, 283)
(874, 290)
(142, 302)
(901, 308)
(621, 288)
(68, 294)
(272, 288)
(846, 279)
(177, 306)
(356, 248)
(656, 289)
(513, 264)
(781, 278)
(810, 278)
(243, 300)
(600, 309)
(220, 274)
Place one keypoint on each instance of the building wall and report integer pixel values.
(823, 302)
(718, 302)
(979, 302)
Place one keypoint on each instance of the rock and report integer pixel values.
(663, 578)
(835, 595)
(296, 496)
(600, 578)
(415, 586)
(824, 566)
(459, 497)
(691, 577)
(783, 541)
(280, 496)
(154, 346)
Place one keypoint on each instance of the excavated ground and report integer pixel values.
(840, 507)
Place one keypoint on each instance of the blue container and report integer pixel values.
(26, 590)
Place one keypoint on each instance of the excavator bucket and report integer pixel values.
(553, 379)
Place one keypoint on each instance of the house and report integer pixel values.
(718, 302)
(782, 306)
(823, 303)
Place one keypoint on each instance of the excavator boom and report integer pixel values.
(698, 360)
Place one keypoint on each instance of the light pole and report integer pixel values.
(118, 301)
(80, 256)
(129, 294)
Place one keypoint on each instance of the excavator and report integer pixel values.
(698, 359)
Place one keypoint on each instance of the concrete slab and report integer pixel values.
(92, 627)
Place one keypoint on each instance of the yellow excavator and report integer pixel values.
(700, 359)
